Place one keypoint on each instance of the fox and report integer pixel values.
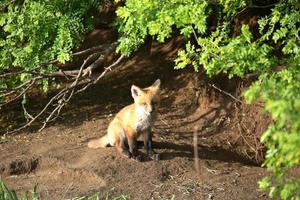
(132, 123)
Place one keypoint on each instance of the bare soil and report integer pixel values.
(58, 161)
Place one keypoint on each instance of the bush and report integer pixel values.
(273, 56)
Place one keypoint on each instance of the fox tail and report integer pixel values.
(97, 143)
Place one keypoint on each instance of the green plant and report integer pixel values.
(108, 196)
(8, 194)
(34, 32)
(90, 197)
(273, 56)
(36, 37)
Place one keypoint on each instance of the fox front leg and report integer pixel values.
(148, 146)
(132, 143)
(122, 147)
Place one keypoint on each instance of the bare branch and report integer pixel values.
(103, 47)
(96, 48)
(27, 115)
(197, 40)
(196, 154)
(109, 68)
(31, 83)
(66, 94)
(62, 102)
(224, 92)
(74, 74)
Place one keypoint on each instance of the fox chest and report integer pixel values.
(144, 123)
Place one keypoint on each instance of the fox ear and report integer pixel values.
(156, 83)
(136, 91)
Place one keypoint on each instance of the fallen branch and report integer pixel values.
(196, 155)
(109, 68)
(226, 93)
(79, 84)
(104, 49)
(99, 58)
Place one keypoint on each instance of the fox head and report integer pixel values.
(146, 99)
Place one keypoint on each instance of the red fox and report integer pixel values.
(131, 122)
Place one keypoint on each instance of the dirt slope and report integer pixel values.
(58, 161)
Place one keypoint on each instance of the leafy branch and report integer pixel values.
(82, 79)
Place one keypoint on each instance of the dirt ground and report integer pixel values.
(58, 161)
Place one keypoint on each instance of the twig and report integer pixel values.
(224, 92)
(109, 68)
(79, 74)
(23, 92)
(27, 115)
(63, 101)
(212, 171)
(38, 115)
(196, 37)
(196, 155)
(107, 47)
(96, 48)
(65, 95)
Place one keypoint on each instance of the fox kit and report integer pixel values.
(132, 122)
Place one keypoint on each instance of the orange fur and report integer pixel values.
(131, 121)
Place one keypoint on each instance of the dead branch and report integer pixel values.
(103, 48)
(77, 74)
(30, 83)
(62, 102)
(226, 93)
(109, 68)
(26, 114)
(81, 81)
(196, 155)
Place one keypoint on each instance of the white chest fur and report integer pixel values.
(144, 120)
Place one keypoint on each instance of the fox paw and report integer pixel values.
(155, 157)
(137, 158)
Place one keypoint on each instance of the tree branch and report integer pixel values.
(103, 48)
(227, 93)
(79, 84)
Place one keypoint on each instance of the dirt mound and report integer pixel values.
(58, 161)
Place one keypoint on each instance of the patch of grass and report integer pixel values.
(8, 194)
(108, 196)
(92, 197)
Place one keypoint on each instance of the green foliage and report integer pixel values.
(36, 31)
(108, 195)
(91, 197)
(8, 194)
(138, 18)
(220, 54)
(273, 56)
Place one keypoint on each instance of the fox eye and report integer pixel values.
(144, 104)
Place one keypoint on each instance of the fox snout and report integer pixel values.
(147, 108)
